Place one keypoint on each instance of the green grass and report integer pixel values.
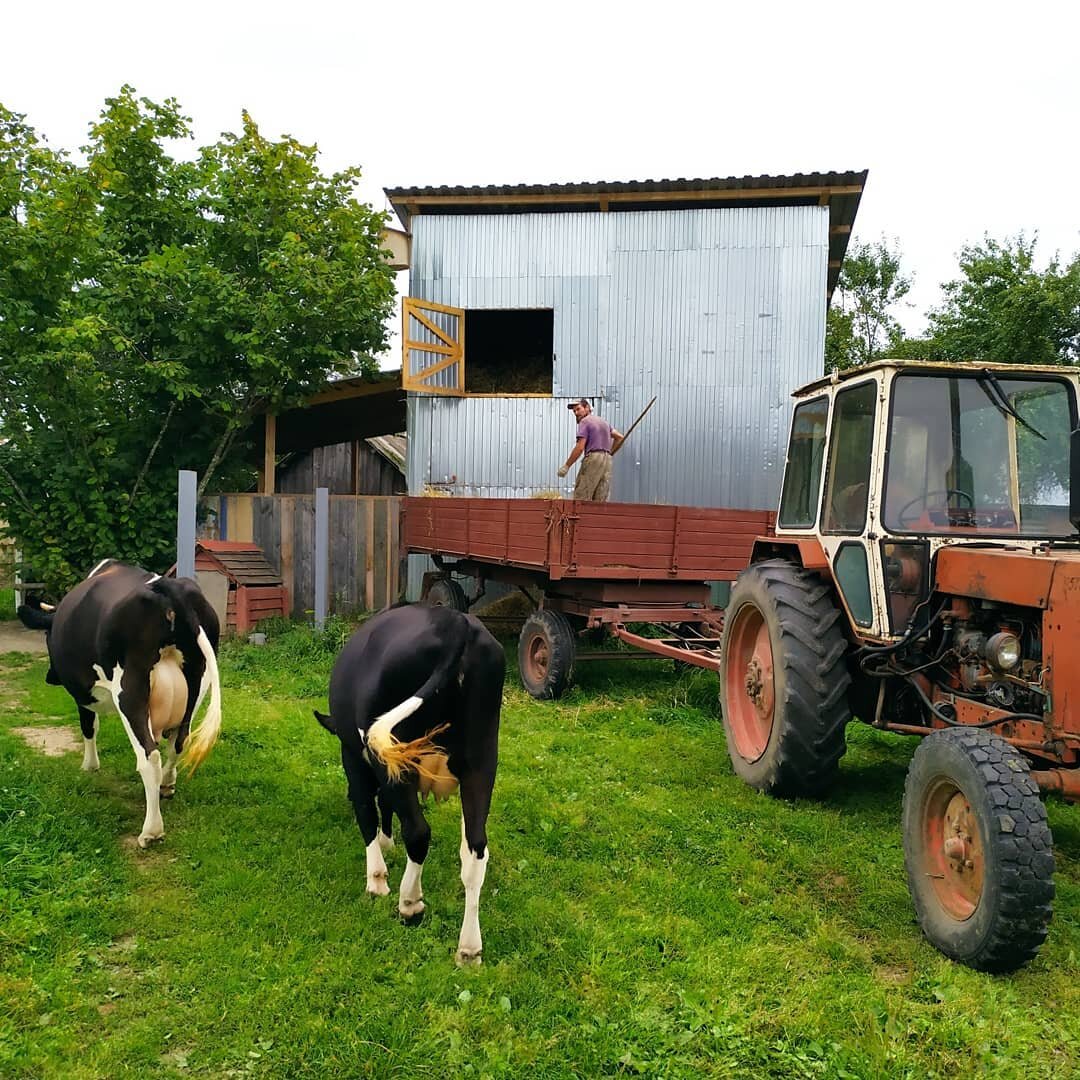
(7, 604)
(644, 913)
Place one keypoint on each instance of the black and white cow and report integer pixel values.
(415, 698)
(143, 645)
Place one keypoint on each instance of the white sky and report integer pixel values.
(964, 113)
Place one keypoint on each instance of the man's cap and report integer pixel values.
(580, 401)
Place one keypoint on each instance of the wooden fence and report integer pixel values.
(366, 568)
(7, 562)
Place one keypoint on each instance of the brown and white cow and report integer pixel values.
(130, 641)
(415, 698)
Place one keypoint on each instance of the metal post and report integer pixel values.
(322, 553)
(186, 496)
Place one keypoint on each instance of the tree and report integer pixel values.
(150, 307)
(861, 324)
(1003, 309)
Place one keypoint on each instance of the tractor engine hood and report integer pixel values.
(1010, 575)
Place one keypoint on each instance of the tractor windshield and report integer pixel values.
(979, 455)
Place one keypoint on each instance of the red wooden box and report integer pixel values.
(255, 589)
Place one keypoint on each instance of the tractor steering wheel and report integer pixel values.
(902, 518)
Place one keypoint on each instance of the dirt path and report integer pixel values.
(14, 637)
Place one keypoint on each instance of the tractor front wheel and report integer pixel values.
(783, 680)
(978, 850)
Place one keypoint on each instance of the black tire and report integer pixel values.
(446, 592)
(784, 680)
(546, 651)
(972, 792)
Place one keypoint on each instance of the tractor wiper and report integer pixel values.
(988, 381)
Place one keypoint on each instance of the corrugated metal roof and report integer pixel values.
(392, 447)
(839, 191)
(617, 187)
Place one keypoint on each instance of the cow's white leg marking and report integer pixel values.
(377, 884)
(148, 766)
(386, 841)
(90, 762)
(473, 871)
(411, 897)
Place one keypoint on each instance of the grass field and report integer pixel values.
(644, 914)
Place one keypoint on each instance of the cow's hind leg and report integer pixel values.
(131, 694)
(363, 785)
(416, 834)
(168, 769)
(386, 815)
(88, 722)
(476, 788)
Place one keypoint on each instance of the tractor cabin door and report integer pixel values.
(848, 525)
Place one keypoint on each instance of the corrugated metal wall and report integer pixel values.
(720, 313)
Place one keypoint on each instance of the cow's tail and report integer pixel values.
(398, 756)
(206, 734)
(37, 617)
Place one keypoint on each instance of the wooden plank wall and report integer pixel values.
(365, 551)
(7, 562)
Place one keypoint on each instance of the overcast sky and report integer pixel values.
(964, 113)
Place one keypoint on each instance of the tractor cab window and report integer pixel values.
(979, 455)
(802, 475)
(847, 482)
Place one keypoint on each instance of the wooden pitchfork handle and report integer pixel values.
(634, 425)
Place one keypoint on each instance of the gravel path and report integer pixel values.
(14, 637)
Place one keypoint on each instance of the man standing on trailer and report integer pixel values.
(598, 441)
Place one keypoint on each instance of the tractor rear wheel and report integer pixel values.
(783, 680)
(978, 850)
(546, 651)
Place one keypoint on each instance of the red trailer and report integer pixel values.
(597, 566)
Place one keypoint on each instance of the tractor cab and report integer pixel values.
(889, 463)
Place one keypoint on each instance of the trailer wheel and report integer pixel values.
(978, 850)
(446, 592)
(784, 680)
(546, 651)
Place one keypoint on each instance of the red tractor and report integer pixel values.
(925, 578)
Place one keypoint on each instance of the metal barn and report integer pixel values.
(708, 294)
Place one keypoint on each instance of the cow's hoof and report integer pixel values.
(467, 957)
(168, 791)
(145, 839)
(411, 912)
(378, 887)
(385, 842)
(93, 766)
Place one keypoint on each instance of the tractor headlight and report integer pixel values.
(1003, 651)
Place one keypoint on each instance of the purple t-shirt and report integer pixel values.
(596, 433)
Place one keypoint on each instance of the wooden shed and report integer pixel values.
(240, 584)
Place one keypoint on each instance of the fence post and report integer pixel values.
(322, 553)
(186, 495)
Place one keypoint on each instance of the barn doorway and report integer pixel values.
(509, 351)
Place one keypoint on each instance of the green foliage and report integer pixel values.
(1001, 308)
(149, 307)
(644, 913)
(861, 325)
